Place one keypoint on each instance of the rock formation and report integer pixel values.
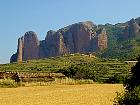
(83, 37)
(20, 50)
(132, 29)
(30, 46)
(102, 40)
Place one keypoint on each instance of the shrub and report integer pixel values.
(85, 71)
(131, 96)
(8, 83)
(134, 78)
(128, 97)
(116, 79)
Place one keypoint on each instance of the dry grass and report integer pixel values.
(8, 83)
(64, 81)
(89, 94)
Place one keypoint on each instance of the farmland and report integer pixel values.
(89, 94)
(76, 67)
(99, 70)
(53, 64)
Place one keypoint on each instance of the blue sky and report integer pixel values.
(19, 16)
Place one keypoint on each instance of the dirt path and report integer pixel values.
(93, 94)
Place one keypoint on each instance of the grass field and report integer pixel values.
(90, 94)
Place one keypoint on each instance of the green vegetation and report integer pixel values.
(99, 71)
(90, 70)
(125, 50)
(76, 66)
(131, 96)
(119, 46)
(52, 64)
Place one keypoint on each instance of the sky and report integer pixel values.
(40, 16)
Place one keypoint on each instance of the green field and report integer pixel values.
(47, 64)
(54, 64)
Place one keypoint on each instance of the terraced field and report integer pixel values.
(51, 64)
(90, 94)
(108, 68)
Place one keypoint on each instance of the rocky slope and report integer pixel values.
(123, 40)
(82, 37)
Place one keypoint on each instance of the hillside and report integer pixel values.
(125, 50)
(123, 40)
(47, 64)
(74, 66)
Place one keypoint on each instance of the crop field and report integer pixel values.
(89, 94)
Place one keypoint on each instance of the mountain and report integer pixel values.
(119, 41)
(123, 40)
(82, 37)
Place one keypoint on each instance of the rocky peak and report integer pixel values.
(31, 36)
(132, 29)
(30, 46)
(102, 39)
(88, 24)
(132, 21)
(50, 37)
(51, 32)
(20, 49)
(75, 38)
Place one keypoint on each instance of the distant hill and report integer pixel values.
(121, 41)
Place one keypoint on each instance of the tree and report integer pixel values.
(131, 95)
(134, 79)
(86, 71)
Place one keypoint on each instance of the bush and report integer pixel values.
(128, 97)
(116, 79)
(8, 83)
(134, 78)
(85, 71)
(131, 96)
(78, 71)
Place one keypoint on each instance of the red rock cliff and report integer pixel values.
(83, 37)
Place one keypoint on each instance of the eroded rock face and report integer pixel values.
(51, 47)
(132, 29)
(28, 48)
(102, 39)
(83, 37)
(75, 38)
(31, 46)
(99, 42)
(20, 49)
